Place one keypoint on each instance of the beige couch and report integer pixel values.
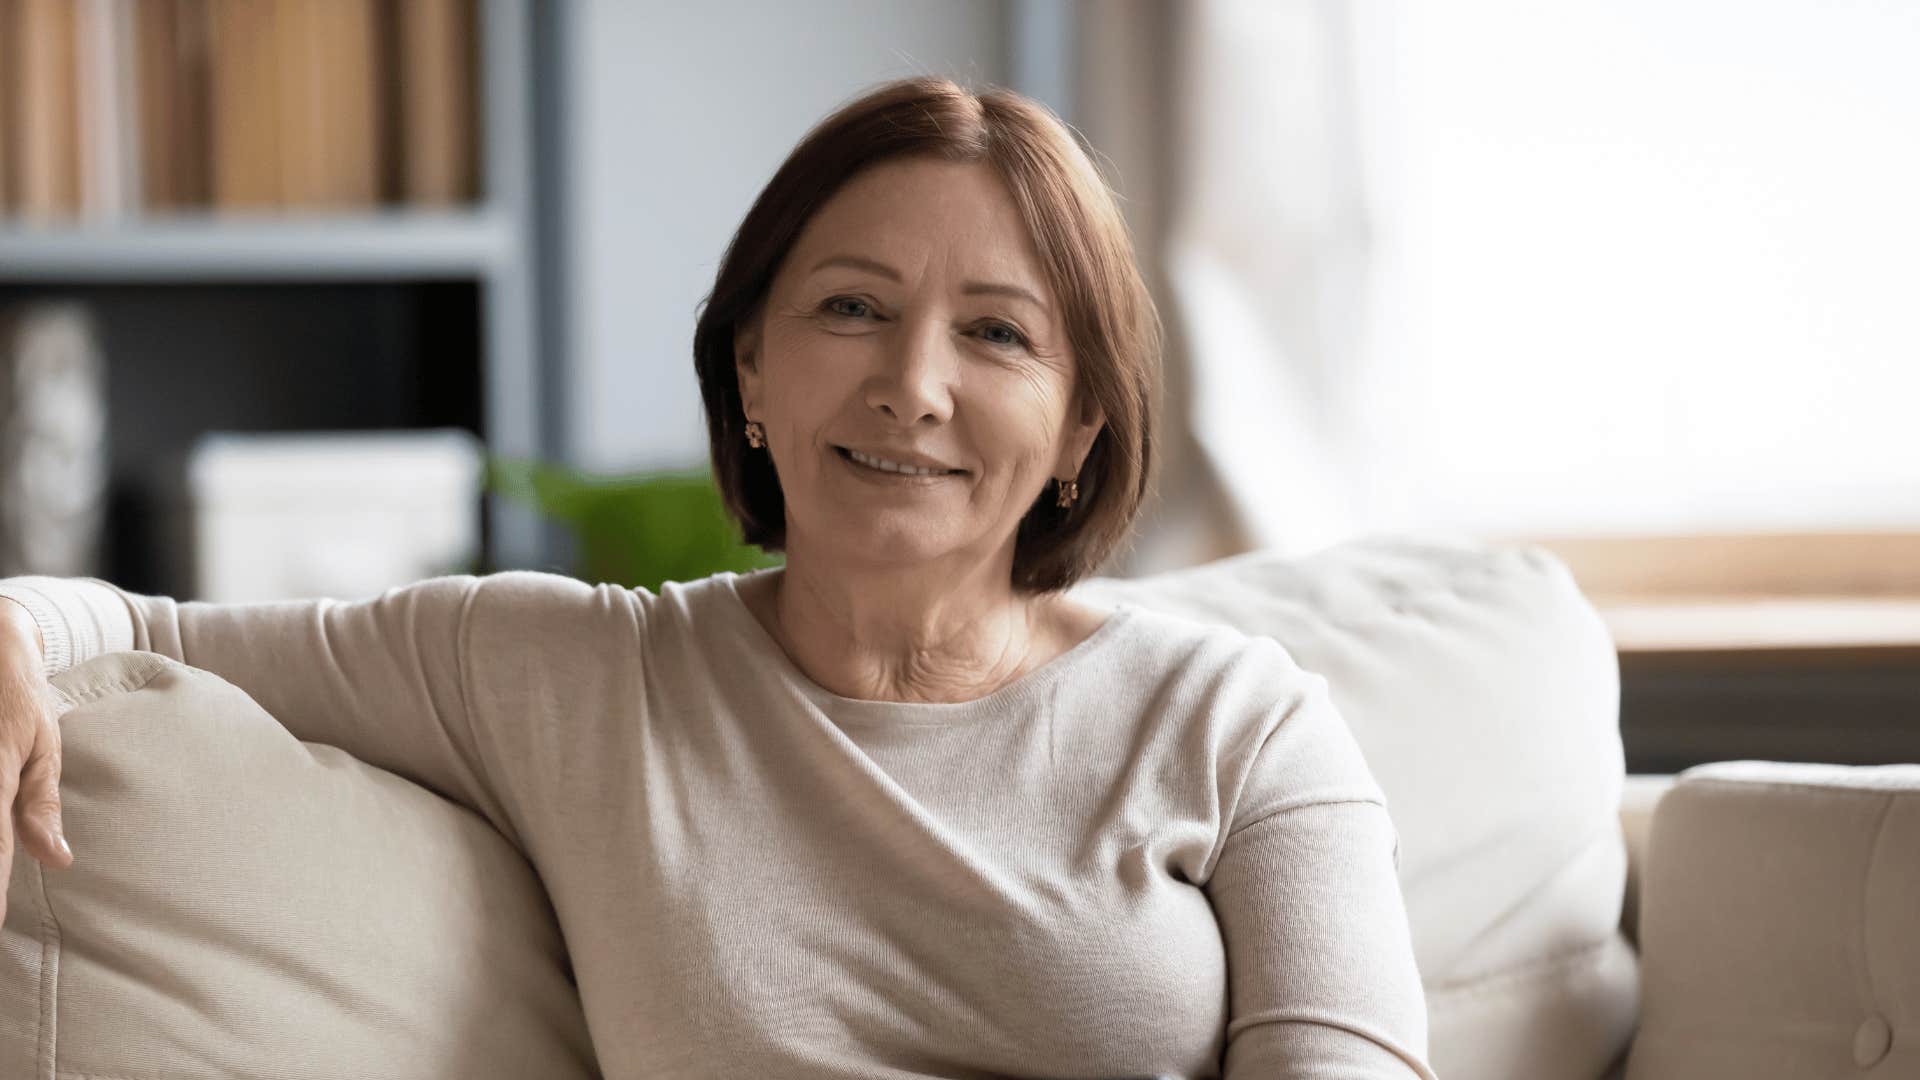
(244, 904)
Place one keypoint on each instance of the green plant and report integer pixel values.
(635, 530)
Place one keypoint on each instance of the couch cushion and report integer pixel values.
(1781, 916)
(1484, 690)
(245, 904)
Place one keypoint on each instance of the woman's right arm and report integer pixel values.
(426, 680)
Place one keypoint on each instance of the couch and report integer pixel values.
(247, 904)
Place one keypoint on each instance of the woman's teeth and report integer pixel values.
(893, 466)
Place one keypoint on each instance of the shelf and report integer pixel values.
(1764, 633)
(396, 245)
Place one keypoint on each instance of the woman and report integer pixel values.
(901, 808)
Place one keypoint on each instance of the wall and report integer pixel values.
(677, 114)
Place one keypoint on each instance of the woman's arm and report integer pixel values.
(1322, 981)
(395, 680)
(1320, 967)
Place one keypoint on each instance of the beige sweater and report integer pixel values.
(1159, 854)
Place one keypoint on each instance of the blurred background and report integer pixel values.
(313, 297)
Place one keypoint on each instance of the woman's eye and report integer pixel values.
(851, 307)
(1002, 334)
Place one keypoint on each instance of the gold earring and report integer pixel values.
(1069, 491)
(756, 435)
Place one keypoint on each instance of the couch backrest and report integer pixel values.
(1484, 690)
(245, 904)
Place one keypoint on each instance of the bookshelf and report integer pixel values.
(372, 318)
(395, 245)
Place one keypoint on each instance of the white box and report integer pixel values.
(340, 514)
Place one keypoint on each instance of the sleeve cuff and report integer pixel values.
(79, 618)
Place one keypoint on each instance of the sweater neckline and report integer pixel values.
(1015, 698)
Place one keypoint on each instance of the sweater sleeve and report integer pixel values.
(396, 680)
(1322, 981)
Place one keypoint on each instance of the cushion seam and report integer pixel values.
(125, 683)
(48, 999)
(1864, 789)
(1538, 970)
(1880, 831)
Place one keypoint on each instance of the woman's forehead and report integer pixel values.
(913, 216)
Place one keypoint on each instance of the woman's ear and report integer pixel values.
(1083, 426)
(746, 363)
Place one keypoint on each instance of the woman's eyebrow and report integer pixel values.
(987, 288)
(971, 288)
(858, 262)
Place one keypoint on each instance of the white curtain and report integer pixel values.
(1234, 132)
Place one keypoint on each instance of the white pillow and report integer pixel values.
(245, 904)
(1484, 690)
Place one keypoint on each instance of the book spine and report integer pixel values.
(329, 103)
(9, 104)
(126, 105)
(244, 98)
(191, 108)
(49, 165)
(156, 77)
(102, 125)
(437, 101)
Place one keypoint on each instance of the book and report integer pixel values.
(9, 68)
(330, 103)
(172, 73)
(438, 114)
(244, 104)
(106, 145)
(45, 110)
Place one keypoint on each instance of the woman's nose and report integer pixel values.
(915, 384)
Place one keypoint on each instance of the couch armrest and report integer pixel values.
(1637, 801)
(1779, 934)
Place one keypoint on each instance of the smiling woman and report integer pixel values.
(902, 806)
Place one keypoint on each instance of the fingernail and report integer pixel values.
(62, 841)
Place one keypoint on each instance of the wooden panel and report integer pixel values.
(1829, 564)
(1763, 623)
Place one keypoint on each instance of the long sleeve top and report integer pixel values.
(1159, 854)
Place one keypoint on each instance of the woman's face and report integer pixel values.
(911, 323)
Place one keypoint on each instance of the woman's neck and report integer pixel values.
(907, 635)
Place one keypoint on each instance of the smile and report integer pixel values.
(878, 464)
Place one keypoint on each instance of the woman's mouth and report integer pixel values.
(868, 463)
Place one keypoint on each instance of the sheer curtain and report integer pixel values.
(1236, 134)
(1501, 268)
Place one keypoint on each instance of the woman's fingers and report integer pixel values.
(30, 807)
(9, 783)
(39, 799)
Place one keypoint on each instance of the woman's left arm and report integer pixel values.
(1322, 981)
(1321, 977)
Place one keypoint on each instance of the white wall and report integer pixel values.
(1651, 264)
(680, 113)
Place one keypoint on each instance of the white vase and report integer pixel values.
(53, 460)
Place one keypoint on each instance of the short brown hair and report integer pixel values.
(1084, 249)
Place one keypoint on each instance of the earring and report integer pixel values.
(1069, 491)
(756, 435)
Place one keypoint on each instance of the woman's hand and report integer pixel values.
(29, 750)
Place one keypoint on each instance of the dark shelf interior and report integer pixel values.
(1859, 714)
(183, 359)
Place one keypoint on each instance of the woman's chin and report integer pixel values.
(886, 545)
